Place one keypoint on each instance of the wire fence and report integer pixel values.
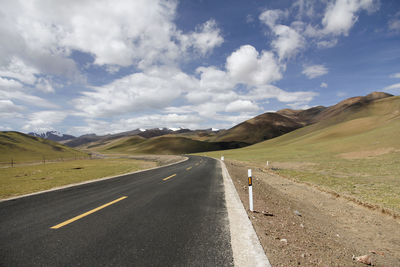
(43, 159)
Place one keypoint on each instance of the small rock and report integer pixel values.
(366, 259)
(284, 240)
(302, 225)
(266, 213)
(337, 235)
(297, 213)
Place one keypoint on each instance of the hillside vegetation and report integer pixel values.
(166, 145)
(354, 150)
(21, 147)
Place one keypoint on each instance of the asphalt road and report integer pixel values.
(171, 216)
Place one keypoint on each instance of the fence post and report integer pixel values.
(250, 190)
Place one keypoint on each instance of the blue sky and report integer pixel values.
(110, 66)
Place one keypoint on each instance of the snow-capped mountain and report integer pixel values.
(53, 136)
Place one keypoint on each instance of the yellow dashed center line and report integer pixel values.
(188, 168)
(169, 177)
(86, 213)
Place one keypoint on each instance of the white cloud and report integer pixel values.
(44, 85)
(171, 120)
(8, 109)
(327, 43)
(324, 85)
(142, 33)
(246, 65)
(214, 79)
(17, 69)
(393, 88)
(12, 89)
(242, 106)
(204, 39)
(288, 43)
(43, 121)
(270, 17)
(394, 25)
(314, 71)
(151, 90)
(340, 15)
(395, 75)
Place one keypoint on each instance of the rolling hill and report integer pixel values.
(354, 151)
(21, 147)
(356, 124)
(167, 145)
(260, 128)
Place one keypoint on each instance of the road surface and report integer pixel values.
(171, 216)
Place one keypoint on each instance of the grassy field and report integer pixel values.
(20, 148)
(32, 178)
(355, 154)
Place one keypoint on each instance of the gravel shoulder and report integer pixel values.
(326, 231)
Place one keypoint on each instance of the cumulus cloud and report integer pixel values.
(314, 71)
(246, 65)
(324, 85)
(12, 89)
(206, 37)
(241, 106)
(151, 90)
(288, 41)
(44, 120)
(9, 109)
(139, 32)
(17, 69)
(340, 15)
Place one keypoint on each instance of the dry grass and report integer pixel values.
(27, 179)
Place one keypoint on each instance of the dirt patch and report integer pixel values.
(300, 225)
(367, 154)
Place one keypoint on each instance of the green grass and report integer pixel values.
(27, 179)
(356, 154)
(20, 148)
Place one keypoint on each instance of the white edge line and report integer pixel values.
(246, 247)
(89, 182)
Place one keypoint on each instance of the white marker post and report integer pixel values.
(222, 158)
(250, 190)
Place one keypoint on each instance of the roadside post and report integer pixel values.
(250, 190)
(222, 158)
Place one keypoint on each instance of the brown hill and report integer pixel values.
(269, 125)
(260, 128)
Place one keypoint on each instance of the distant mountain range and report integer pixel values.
(376, 115)
(53, 136)
(260, 128)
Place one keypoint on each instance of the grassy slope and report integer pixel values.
(161, 145)
(356, 152)
(257, 129)
(25, 148)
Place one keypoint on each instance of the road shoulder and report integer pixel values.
(247, 250)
